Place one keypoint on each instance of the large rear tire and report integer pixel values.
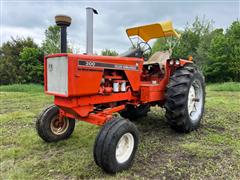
(185, 99)
(50, 128)
(116, 145)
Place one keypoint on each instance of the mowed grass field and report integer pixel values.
(212, 152)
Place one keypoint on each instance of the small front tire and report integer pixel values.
(50, 128)
(116, 145)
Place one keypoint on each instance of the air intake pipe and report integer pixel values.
(63, 21)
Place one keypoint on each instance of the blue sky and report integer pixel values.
(31, 18)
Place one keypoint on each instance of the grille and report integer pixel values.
(57, 75)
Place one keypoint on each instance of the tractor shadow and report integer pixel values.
(155, 124)
(159, 144)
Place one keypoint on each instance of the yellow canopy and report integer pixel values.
(151, 31)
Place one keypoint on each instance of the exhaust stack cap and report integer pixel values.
(94, 10)
(63, 20)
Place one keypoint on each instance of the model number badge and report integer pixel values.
(90, 63)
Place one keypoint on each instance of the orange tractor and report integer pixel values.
(94, 88)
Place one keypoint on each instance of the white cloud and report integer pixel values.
(36, 33)
(32, 18)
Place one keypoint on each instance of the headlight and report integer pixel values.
(177, 62)
(171, 62)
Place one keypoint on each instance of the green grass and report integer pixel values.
(211, 152)
(21, 88)
(228, 86)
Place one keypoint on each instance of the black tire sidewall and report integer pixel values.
(97, 150)
(115, 165)
(106, 143)
(44, 129)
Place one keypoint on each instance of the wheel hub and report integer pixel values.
(195, 100)
(124, 148)
(59, 126)
(191, 97)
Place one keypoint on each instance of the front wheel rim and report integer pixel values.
(59, 126)
(195, 101)
(124, 148)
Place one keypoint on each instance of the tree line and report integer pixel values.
(215, 51)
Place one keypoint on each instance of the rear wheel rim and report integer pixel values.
(59, 126)
(124, 148)
(195, 101)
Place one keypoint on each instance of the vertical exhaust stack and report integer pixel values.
(63, 21)
(89, 44)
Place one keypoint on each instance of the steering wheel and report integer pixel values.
(145, 48)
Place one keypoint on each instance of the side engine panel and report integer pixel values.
(92, 75)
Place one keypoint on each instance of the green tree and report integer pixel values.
(8, 71)
(31, 67)
(204, 46)
(108, 52)
(51, 44)
(163, 44)
(233, 40)
(216, 68)
(191, 38)
(13, 47)
(224, 55)
(9, 61)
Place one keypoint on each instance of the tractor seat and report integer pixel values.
(158, 57)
